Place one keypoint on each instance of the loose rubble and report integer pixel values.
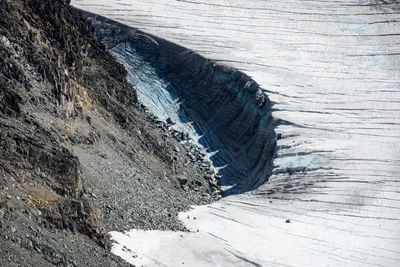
(79, 156)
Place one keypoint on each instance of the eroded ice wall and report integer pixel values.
(227, 107)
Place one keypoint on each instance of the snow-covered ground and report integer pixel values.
(333, 70)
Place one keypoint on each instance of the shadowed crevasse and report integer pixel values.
(228, 108)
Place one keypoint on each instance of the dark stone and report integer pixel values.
(182, 180)
(73, 227)
(170, 121)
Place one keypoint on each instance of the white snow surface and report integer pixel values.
(332, 68)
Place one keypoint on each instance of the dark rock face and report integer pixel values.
(36, 149)
(227, 106)
(37, 48)
(78, 155)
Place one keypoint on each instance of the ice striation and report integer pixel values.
(332, 70)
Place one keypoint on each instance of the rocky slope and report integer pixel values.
(78, 155)
(227, 107)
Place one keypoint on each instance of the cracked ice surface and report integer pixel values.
(333, 70)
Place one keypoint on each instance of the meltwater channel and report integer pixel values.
(332, 72)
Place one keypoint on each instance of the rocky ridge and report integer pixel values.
(79, 156)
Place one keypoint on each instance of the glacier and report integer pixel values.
(331, 70)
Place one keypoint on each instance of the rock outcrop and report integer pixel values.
(79, 156)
